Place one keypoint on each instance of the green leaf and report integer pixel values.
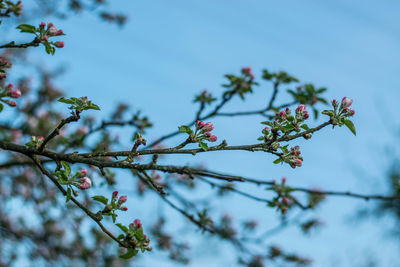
(203, 145)
(69, 193)
(101, 199)
(114, 217)
(66, 101)
(27, 28)
(1, 107)
(67, 168)
(129, 254)
(305, 127)
(122, 227)
(350, 125)
(94, 106)
(185, 129)
(277, 161)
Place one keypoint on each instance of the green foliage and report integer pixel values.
(79, 104)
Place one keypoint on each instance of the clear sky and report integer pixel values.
(170, 50)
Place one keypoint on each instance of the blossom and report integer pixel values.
(122, 199)
(13, 104)
(83, 172)
(86, 183)
(52, 30)
(199, 124)
(59, 44)
(301, 108)
(208, 127)
(137, 223)
(346, 102)
(213, 138)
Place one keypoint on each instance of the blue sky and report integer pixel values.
(170, 50)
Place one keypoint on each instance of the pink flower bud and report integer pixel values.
(115, 194)
(208, 127)
(60, 32)
(282, 115)
(301, 108)
(52, 31)
(83, 172)
(40, 138)
(247, 71)
(208, 134)
(124, 208)
(42, 25)
(284, 180)
(285, 200)
(46, 38)
(137, 223)
(213, 138)
(50, 25)
(334, 102)
(13, 104)
(346, 102)
(59, 44)
(122, 199)
(10, 86)
(352, 112)
(306, 116)
(14, 93)
(86, 183)
(200, 124)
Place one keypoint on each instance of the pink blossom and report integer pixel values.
(137, 223)
(13, 104)
(346, 102)
(42, 25)
(51, 30)
(247, 71)
(334, 102)
(59, 44)
(284, 180)
(208, 134)
(122, 199)
(60, 32)
(285, 200)
(300, 108)
(40, 138)
(46, 38)
(124, 208)
(199, 124)
(14, 93)
(208, 127)
(115, 194)
(83, 172)
(86, 183)
(213, 138)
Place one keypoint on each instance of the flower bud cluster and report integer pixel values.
(204, 97)
(117, 202)
(283, 201)
(293, 157)
(285, 122)
(203, 131)
(50, 31)
(247, 72)
(35, 142)
(301, 113)
(9, 91)
(135, 236)
(4, 65)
